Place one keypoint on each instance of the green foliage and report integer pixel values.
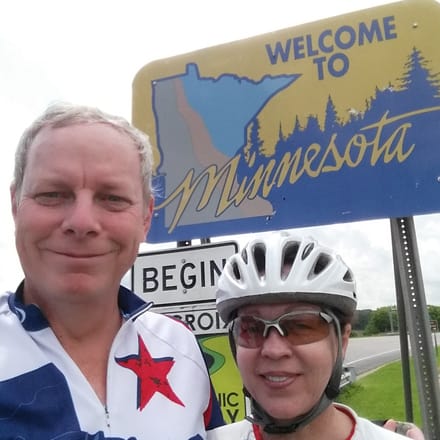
(385, 320)
(382, 320)
(379, 395)
(379, 321)
(361, 319)
(434, 314)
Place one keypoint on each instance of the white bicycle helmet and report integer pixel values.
(281, 267)
(278, 268)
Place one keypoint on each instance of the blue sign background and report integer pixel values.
(384, 162)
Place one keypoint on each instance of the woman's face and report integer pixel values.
(287, 380)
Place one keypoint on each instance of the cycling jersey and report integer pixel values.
(158, 385)
(363, 429)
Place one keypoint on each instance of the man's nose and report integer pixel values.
(81, 217)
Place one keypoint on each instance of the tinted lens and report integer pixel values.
(298, 327)
(305, 328)
(248, 331)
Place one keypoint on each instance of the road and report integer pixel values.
(365, 354)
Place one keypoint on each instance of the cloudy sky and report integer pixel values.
(89, 51)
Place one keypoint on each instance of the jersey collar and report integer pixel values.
(32, 318)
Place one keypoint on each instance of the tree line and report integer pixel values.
(385, 320)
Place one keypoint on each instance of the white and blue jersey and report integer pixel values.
(158, 386)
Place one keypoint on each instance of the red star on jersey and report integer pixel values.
(151, 374)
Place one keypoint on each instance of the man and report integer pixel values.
(81, 355)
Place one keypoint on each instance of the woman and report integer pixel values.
(289, 303)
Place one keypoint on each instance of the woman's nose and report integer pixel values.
(275, 345)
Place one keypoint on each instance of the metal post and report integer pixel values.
(403, 336)
(390, 314)
(408, 263)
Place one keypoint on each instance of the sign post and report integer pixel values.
(415, 309)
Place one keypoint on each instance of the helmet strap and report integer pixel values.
(333, 387)
(260, 417)
(232, 344)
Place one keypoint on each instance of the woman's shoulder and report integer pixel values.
(234, 431)
(366, 429)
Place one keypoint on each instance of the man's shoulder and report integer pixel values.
(155, 318)
(4, 301)
(169, 331)
(9, 315)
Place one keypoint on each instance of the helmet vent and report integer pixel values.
(348, 276)
(244, 255)
(307, 250)
(321, 263)
(282, 267)
(236, 271)
(290, 252)
(260, 260)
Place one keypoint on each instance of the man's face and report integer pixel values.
(80, 214)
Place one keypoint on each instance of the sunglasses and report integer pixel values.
(299, 327)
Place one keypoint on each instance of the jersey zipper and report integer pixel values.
(107, 416)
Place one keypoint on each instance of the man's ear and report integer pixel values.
(148, 215)
(14, 199)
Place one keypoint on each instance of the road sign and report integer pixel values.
(329, 122)
(211, 331)
(184, 275)
(202, 319)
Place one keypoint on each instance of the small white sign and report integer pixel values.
(201, 319)
(185, 275)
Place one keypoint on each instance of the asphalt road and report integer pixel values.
(366, 354)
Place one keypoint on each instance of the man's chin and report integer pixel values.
(80, 285)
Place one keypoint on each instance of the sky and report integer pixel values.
(88, 52)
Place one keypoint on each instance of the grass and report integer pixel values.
(379, 395)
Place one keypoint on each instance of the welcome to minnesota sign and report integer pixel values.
(328, 122)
